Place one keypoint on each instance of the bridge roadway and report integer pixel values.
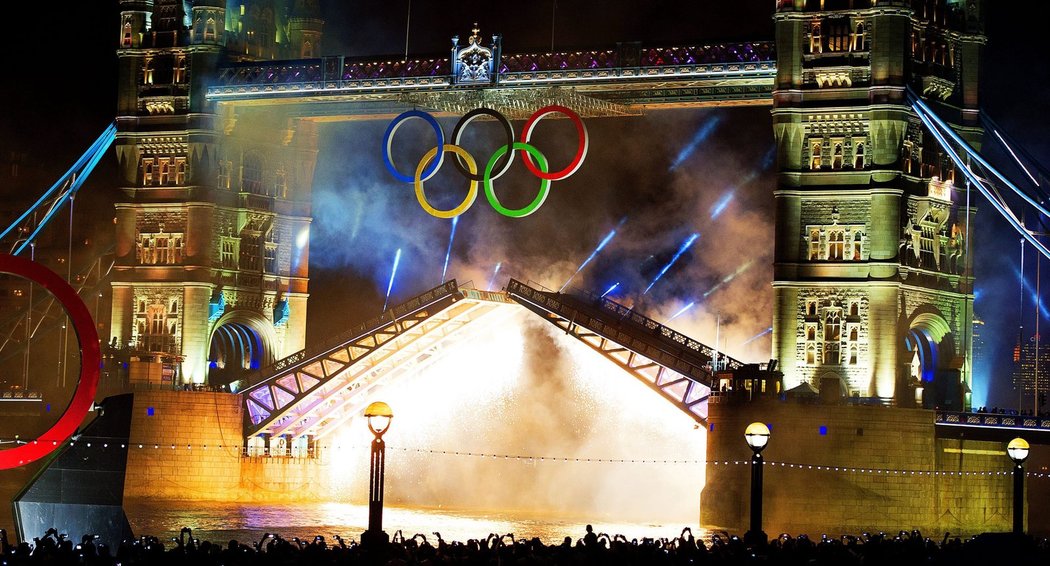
(622, 80)
(312, 391)
(992, 426)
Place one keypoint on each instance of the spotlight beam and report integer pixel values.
(681, 250)
(393, 272)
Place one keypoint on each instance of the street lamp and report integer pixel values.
(757, 436)
(379, 416)
(1017, 449)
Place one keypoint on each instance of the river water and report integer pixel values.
(220, 522)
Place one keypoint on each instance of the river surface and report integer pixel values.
(220, 522)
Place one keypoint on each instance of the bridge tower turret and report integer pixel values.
(211, 269)
(873, 278)
(304, 29)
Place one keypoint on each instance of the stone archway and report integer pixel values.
(240, 342)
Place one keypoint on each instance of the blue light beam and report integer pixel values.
(608, 238)
(393, 272)
(720, 206)
(757, 336)
(494, 272)
(685, 246)
(700, 137)
(729, 277)
(682, 310)
(610, 289)
(448, 253)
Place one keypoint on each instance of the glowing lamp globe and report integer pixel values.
(379, 416)
(1017, 449)
(757, 436)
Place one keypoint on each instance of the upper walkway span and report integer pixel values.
(621, 80)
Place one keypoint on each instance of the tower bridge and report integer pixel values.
(218, 141)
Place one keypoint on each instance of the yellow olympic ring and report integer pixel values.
(472, 191)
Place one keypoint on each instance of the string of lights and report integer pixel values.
(890, 472)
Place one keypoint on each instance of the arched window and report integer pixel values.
(814, 156)
(857, 240)
(811, 334)
(126, 37)
(209, 29)
(308, 49)
(859, 43)
(816, 44)
(852, 355)
(836, 162)
(180, 170)
(178, 71)
(811, 355)
(251, 173)
(814, 244)
(147, 71)
(832, 337)
(174, 307)
(853, 334)
(836, 243)
(854, 310)
(858, 156)
(280, 183)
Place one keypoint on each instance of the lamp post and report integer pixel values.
(757, 436)
(1017, 449)
(379, 416)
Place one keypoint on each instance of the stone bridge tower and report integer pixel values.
(212, 238)
(872, 279)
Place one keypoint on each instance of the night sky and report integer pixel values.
(55, 106)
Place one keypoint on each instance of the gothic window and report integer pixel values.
(836, 162)
(229, 252)
(178, 71)
(250, 245)
(308, 49)
(853, 338)
(858, 156)
(853, 355)
(907, 156)
(836, 244)
(838, 36)
(811, 309)
(147, 171)
(832, 336)
(224, 174)
(816, 44)
(174, 307)
(180, 170)
(814, 156)
(854, 309)
(271, 257)
(160, 248)
(811, 343)
(209, 29)
(857, 241)
(163, 170)
(859, 43)
(147, 71)
(280, 183)
(251, 173)
(125, 38)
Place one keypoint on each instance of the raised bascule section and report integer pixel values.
(302, 398)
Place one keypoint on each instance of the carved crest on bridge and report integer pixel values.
(475, 63)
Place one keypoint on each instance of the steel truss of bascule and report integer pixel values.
(606, 82)
(311, 393)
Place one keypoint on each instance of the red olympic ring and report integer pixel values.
(90, 358)
(581, 148)
(427, 167)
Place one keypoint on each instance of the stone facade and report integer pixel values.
(210, 210)
(805, 499)
(870, 271)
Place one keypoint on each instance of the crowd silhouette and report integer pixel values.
(901, 549)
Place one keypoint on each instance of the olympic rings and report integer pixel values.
(462, 124)
(472, 192)
(90, 358)
(545, 184)
(467, 165)
(396, 123)
(581, 148)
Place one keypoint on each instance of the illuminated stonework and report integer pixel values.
(870, 265)
(212, 255)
